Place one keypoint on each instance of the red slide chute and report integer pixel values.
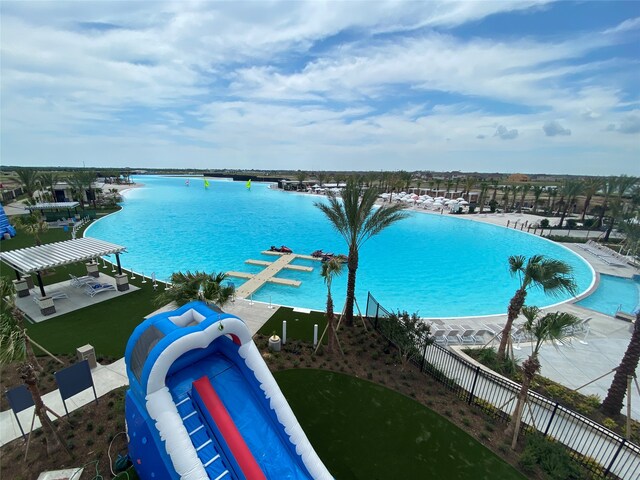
(228, 429)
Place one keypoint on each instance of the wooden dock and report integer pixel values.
(268, 274)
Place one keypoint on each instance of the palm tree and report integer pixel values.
(552, 276)
(28, 178)
(34, 224)
(80, 182)
(438, 182)
(356, 221)
(15, 346)
(590, 187)
(552, 193)
(537, 193)
(550, 327)
(514, 189)
(330, 270)
(524, 189)
(610, 185)
(49, 180)
(484, 188)
(187, 287)
(569, 191)
(612, 404)
(322, 178)
(469, 183)
(448, 184)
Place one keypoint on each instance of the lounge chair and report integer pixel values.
(82, 281)
(453, 333)
(468, 337)
(53, 295)
(440, 336)
(93, 290)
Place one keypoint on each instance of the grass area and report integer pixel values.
(299, 325)
(365, 431)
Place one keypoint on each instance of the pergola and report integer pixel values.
(42, 257)
(55, 207)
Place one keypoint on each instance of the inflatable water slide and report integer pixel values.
(202, 404)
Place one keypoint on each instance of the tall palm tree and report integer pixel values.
(15, 347)
(514, 190)
(612, 404)
(322, 178)
(330, 270)
(438, 182)
(590, 186)
(484, 188)
(49, 180)
(494, 184)
(28, 178)
(569, 191)
(81, 182)
(550, 327)
(469, 183)
(187, 287)
(537, 193)
(610, 185)
(552, 276)
(356, 220)
(448, 184)
(524, 189)
(552, 193)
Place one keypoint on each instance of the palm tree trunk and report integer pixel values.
(515, 305)
(331, 328)
(529, 369)
(52, 439)
(351, 285)
(587, 201)
(612, 404)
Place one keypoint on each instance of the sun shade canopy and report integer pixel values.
(35, 259)
(53, 206)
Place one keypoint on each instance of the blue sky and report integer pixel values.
(510, 86)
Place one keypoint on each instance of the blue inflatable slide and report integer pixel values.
(5, 226)
(202, 403)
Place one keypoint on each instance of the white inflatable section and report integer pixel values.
(177, 442)
(193, 341)
(286, 417)
(188, 318)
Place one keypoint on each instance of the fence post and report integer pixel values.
(424, 354)
(615, 457)
(473, 386)
(553, 414)
(377, 312)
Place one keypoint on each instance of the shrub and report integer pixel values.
(544, 223)
(551, 457)
(610, 423)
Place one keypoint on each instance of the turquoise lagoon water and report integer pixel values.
(613, 294)
(436, 265)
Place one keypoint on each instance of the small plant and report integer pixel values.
(610, 423)
(89, 427)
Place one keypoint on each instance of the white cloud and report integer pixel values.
(553, 128)
(506, 134)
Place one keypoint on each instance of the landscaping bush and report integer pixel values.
(552, 458)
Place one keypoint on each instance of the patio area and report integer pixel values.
(76, 298)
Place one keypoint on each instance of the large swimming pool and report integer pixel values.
(437, 265)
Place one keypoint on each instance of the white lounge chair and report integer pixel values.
(82, 281)
(93, 290)
(440, 336)
(468, 337)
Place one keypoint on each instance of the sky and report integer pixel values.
(482, 86)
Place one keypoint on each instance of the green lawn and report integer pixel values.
(299, 325)
(365, 431)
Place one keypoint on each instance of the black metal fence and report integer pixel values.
(601, 451)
